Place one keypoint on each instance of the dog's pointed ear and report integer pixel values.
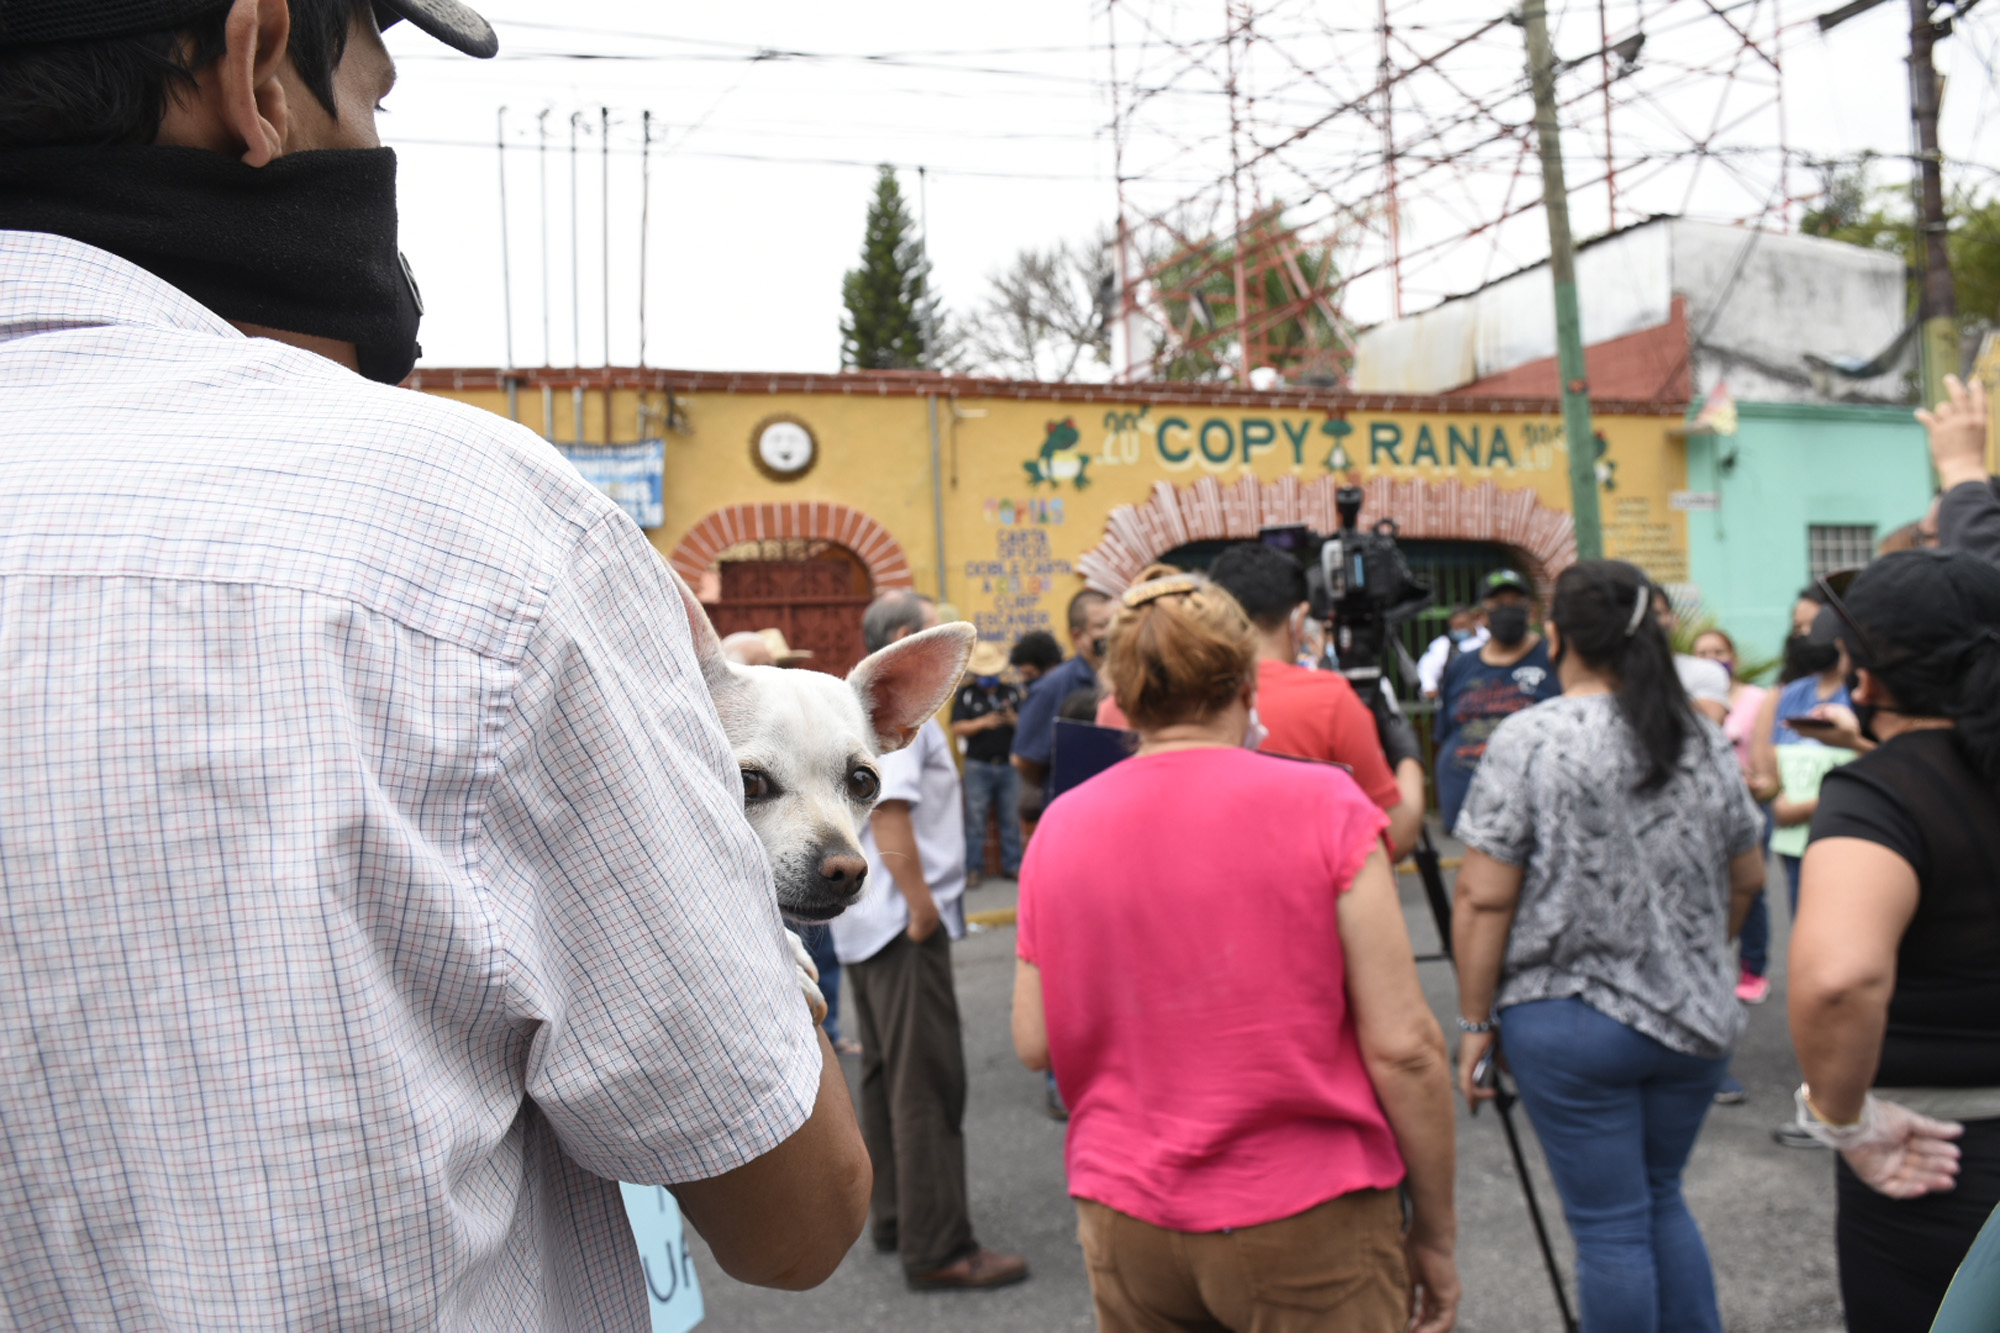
(707, 645)
(906, 683)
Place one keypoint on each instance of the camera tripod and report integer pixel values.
(1375, 691)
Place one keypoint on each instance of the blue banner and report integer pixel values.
(671, 1287)
(633, 475)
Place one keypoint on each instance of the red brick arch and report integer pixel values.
(694, 555)
(1446, 508)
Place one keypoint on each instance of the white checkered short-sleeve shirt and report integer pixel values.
(374, 888)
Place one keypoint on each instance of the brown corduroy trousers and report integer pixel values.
(1337, 1266)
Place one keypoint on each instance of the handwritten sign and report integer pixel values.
(671, 1287)
(1022, 572)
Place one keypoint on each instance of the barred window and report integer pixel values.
(1831, 546)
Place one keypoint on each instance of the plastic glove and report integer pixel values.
(1891, 1148)
(808, 976)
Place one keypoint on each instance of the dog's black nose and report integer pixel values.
(842, 873)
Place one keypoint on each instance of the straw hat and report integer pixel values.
(781, 652)
(988, 659)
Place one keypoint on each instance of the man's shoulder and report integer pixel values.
(1059, 680)
(1291, 676)
(273, 466)
(1460, 665)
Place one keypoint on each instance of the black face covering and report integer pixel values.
(306, 244)
(1806, 657)
(1864, 714)
(1507, 624)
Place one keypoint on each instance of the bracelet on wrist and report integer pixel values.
(1467, 1025)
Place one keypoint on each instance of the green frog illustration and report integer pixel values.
(1052, 464)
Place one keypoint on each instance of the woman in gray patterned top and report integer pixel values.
(1612, 852)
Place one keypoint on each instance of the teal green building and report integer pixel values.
(1800, 489)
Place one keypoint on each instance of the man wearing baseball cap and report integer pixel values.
(1510, 672)
(376, 887)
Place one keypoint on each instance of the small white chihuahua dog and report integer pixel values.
(807, 744)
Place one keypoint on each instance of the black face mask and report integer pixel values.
(1864, 714)
(304, 245)
(1803, 657)
(1508, 625)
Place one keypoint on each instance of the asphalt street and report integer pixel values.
(1766, 1211)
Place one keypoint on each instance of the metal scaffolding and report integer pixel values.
(1287, 169)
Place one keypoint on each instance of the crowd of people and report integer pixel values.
(378, 892)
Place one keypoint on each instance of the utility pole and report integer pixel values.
(645, 218)
(1577, 433)
(1939, 306)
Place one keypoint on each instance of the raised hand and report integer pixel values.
(1957, 429)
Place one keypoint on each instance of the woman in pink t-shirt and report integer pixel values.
(1213, 959)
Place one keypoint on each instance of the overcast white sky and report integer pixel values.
(761, 168)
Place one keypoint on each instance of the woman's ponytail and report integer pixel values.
(1603, 610)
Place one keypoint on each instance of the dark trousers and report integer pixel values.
(905, 1013)
(1897, 1255)
(992, 786)
(1754, 942)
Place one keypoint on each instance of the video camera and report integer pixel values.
(1360, 585)
(1358, 582)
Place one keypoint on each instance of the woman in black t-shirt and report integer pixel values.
(1895, 956)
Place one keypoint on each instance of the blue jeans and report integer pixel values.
(1617, 1114)
(1791, 864)
(986, 785)
(1755, 941)
(819, 943)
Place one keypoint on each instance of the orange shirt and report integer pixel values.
(1311, 715)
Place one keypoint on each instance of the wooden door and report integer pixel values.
(817, 602)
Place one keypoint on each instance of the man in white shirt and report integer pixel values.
(377, 887)
(1465, 633)
(895, 946)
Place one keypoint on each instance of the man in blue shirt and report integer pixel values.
(1035, 732)
(1510, 672)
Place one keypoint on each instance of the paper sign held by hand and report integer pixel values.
(671, 1287)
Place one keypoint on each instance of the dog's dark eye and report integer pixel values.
(756, 786)
(863, 785)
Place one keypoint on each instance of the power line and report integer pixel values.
(780, 159)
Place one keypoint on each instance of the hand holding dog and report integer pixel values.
(808, 976)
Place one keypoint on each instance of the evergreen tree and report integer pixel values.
(886, 298)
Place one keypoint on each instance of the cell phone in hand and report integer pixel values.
(1805, 724)
(1485, 1074)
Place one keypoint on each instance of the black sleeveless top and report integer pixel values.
(1917, 796)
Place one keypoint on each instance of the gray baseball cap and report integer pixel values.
(33, 22)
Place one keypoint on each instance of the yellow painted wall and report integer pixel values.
(1011, 538)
